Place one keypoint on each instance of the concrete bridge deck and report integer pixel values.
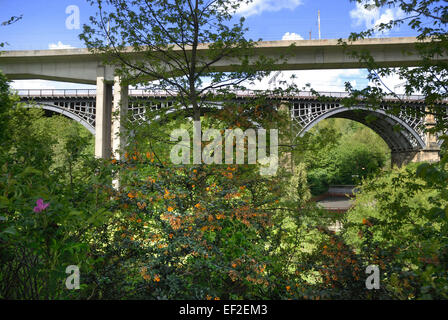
(82, 66)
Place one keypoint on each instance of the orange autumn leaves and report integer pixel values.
(339, 259)
(141, 205)
(229, 173)
(168, 196)
(248, 270)
(137, 156)
(132, 195)
(146, 276)
(183, 219)
(174, 221)
(166, 199)
(366, 222)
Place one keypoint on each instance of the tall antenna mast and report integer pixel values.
(318, 21)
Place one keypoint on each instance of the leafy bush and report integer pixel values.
(395, 224)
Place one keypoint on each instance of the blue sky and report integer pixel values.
(44, 26)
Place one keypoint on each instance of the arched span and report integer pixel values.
(66, 113)
(383, 124)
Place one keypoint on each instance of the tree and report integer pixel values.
(169, 37)
(37, 245)
(6, 101)
(185, 231)
(428, 18)
(406, 210)
(11, 20)
(394, 224)
(343, 152)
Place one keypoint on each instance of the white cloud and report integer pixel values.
(394, 83)
(45, 84)
(292, 36)
(258, 6)
(320, 80)
(372, 16)
(59, 45)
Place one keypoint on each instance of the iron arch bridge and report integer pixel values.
(410, 136)
(404, 132)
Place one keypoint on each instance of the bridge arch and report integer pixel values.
(408, 138)
(65, 113)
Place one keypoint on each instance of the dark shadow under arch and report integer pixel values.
(384, 124)
(65, 113)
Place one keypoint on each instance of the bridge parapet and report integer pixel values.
(69, 93)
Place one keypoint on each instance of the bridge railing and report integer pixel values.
(56, 92)
(147, 93)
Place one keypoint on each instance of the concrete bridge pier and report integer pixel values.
(103, 116)
(119, 112)
(111, 109)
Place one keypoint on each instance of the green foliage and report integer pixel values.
(142, 228)
(6, 103)
(429, 77)
(348, 152)
(36, 247)
(186, 233)
(168, 232)
(396, 225)
(10, 21)
(168, 37)
(404, 211)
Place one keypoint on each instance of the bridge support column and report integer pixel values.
(400, 158)
(431, 153)
(119, 111)
(103, 116)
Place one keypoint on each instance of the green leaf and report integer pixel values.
(4, 202)
(10, 230)
(437, 213)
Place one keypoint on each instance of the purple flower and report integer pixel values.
(40, 206)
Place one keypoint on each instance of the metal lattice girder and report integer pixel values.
(306, 112)
(82, 111)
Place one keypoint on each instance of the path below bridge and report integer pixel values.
(338, 199)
